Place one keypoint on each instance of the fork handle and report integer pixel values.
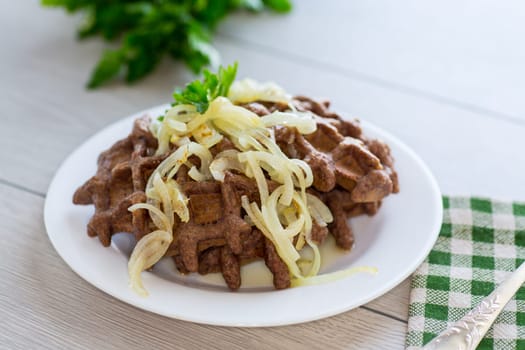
(466, 333)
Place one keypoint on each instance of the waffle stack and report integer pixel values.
(352, 174)
(216, 238)
(120, 181)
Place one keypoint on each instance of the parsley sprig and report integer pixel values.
(150, 29)
(201, 92)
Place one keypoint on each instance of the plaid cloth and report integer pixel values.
(481, 242)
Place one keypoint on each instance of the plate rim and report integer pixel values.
(125, 297)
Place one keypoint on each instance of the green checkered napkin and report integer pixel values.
(481, 242)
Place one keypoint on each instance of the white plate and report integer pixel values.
(396, 240)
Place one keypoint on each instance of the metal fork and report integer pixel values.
(466, 333)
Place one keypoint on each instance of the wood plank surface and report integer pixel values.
(467, 53)
(45, 305)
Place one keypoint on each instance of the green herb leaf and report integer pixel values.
(252, 5)
(226, 78)
(282, 6)
(69, 5)
(147, 30)
(107, 68)
(201, 92)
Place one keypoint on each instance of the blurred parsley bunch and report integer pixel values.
(148, 29)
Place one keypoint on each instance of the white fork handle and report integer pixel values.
(467, 332)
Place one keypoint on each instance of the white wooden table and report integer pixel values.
(447, 77)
